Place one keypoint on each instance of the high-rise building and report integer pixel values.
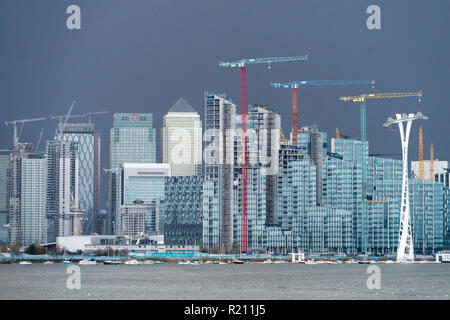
(131, 219)
(33, 200)
(266, 122)
(145, 182)
(181, 137)
(53, 151)
(132, 141)
(219, 155)
(83, 135)
(5, 155)
(70, 215)
(427, 216)
(14, 190)
(181, 210)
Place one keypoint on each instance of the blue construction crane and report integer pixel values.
(294, 85)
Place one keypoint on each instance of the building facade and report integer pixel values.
(132, 140)
(181, 210)
(33, 201)
(181, 137)
(5, 155)
(83, 135)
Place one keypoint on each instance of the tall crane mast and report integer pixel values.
(15, 122)
(39, 140)
(432, 163)
(294, 85)
(421, 166)
(242, 65)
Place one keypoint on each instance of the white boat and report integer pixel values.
(87, 262)
(389, 261)
(133, 262)
(353, 261)
(222, 262)
(268, 261)
(310, 261)
(183, 262)
(24, 262)
(48, 262)
(195, 263)
(149, 262)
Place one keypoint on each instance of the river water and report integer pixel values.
(226, 282)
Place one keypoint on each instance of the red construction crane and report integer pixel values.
(241, 64)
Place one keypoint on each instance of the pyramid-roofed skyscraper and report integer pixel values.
(181, 137)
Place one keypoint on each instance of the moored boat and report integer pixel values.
(133, 262)
(87, 262)
(25, 262)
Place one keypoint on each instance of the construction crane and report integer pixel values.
(365, 96)
(432, 163)
(14, 123)
(421, 166)
(242, 65)
(339, 135)
(61, 117)
(294, 85)
(90, 114)
(39, 140)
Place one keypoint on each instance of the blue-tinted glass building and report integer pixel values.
(132, 140)
(181, 210)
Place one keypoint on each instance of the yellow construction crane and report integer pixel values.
(421, 167)
(432, 163)
(338, 135)
(362, 100)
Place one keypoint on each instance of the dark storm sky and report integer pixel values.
(140, 56)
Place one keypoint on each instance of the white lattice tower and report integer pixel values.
(405, 249)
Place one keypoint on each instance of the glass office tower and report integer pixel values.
(181, 210)
(132, 140)
(146, 182)
(181, 137)
(83, 135)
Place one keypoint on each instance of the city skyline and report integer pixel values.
(372, 55)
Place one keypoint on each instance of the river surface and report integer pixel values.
(225, 282)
